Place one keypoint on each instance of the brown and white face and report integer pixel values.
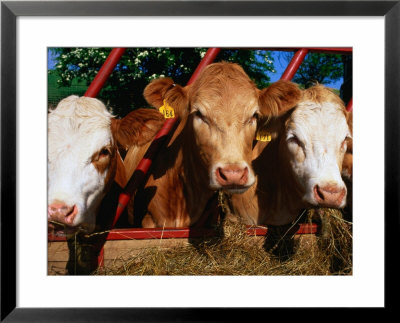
(315, 139)
(223, 106)
(80, 154)
(83, 158)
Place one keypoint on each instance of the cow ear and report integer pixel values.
(270, 126)
(278, 98)
(164, 89)
(137, 128)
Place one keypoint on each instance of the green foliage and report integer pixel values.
(319, 68)
(138, 66)
(55, 92)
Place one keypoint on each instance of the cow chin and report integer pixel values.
(231, 189)
(236, 189)
(61, 229)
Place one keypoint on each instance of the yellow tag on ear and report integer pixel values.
(263, 136)
(167, 111)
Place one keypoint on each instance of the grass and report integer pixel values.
(233, 252)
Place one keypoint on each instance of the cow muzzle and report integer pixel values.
(330, 196)
(234, 178)
(61, 214)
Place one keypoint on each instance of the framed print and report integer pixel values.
(29, 28)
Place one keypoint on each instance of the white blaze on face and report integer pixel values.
(78, 130)
(316, 140)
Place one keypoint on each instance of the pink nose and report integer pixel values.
(62, 213)
(232, 175)
(329, 196)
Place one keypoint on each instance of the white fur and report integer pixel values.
(321, 129)
(77, 128)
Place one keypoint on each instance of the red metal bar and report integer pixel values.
(294, 64)
(350, 105)
(104, 72)
(146, 162)
(334, 50)
(208, 58)
(100, 258)
(170, 233)
(326, 50)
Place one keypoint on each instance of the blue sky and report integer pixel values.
(279, 65)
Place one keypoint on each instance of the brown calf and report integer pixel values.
(211, 147)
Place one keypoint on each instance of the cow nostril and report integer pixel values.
(318, 193)
(245, 173)
(221, 174)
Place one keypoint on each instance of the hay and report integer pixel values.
(233, 252)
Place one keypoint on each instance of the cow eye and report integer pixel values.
(105, 152)
(294, 139)
(254, 118)
(200, 116)
(344, 143)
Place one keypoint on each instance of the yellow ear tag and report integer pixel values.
(167, 111)
(263, 136)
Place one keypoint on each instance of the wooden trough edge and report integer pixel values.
(169, 233)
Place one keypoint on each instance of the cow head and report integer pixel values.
(315, 138)
(83, 157)
(223, 107)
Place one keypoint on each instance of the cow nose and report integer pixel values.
(62, 213)
(330, 195)
(232, 175)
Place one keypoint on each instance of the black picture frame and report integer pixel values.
(10, 10)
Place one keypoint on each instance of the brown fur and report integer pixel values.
(138, 127)
(135, 129)
(177, 190)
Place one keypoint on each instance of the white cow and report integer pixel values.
(83, 157)
(301, 167)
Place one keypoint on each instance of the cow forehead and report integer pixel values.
(81, 132)
(224, 87)
(226, 104)
(81, 143)
(325, 121)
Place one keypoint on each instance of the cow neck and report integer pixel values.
(192, 171)
(278, 192)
